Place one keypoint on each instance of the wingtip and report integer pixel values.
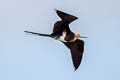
(56, 10)
(75, 69)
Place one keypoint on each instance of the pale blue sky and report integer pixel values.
(29, 57)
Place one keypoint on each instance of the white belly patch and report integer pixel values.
(62, 38)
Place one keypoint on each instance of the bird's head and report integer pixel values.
(79, 36)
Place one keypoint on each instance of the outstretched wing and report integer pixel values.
(59, 26)
(76, 49)
(61, 14)
(66, 16)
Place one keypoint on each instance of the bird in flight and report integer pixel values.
(62, 32)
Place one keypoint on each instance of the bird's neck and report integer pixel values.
(74, 39)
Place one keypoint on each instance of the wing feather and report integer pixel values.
(65, 16)
(76, 49)
(59, 26)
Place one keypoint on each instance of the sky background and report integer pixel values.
(30, 57)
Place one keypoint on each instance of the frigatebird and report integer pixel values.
(62, 32)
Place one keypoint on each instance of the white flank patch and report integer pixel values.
(62, 38)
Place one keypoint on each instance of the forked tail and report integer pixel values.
(47, 35)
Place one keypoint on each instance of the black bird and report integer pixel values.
(62, 32)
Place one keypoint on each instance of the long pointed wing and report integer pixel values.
(76, 49)
(66, 16)
(59, 26)
(61, 14)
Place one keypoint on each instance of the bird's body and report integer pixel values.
(62, 32)
(61, 37)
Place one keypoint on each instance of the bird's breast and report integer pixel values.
(65, 38)
(62, 37)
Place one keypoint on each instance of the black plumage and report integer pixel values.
(76, 48)
(62, 32)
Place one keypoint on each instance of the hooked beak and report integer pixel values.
(83, 37)
(79, 36)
